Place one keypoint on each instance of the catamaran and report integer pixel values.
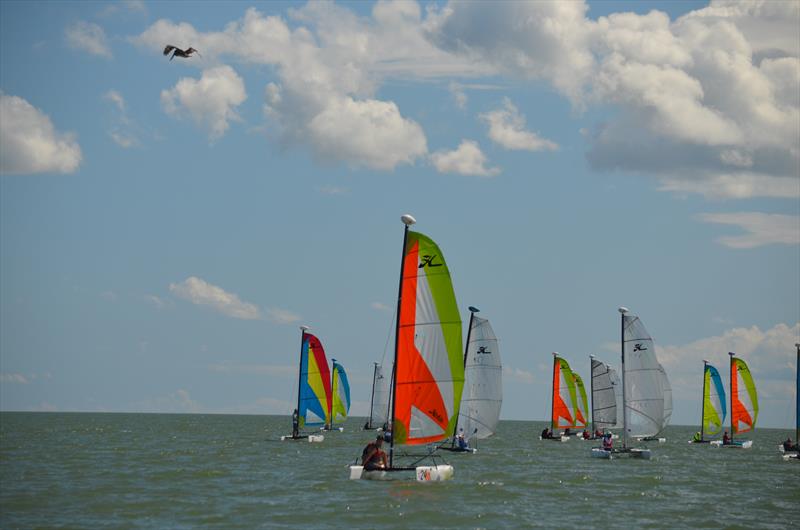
(744, 404)
(565, 412)
(713, 412)
(790, 454)
(644, 395)
(483, 385)
(606, 395)
(313, 389)
(428, 375)
(379, 400)
(340, 393)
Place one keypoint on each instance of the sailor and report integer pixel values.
(787, 445)
(598, 433)
(726, 439)
(461, 439)
(545, 434)
(586, 434)
(373, 457)
(607, 442)
(295, 424)
(697, 437)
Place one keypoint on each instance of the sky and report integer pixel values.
(167, 225)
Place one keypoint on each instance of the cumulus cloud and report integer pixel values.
(517, 374)
(467, 159)
(123, 129)
(761, 229)
(281, 316)
(88, 37)
(210, 101)
(200, 292)
(507, 128)
(29, 143)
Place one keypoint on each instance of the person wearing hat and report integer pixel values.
(372, 457)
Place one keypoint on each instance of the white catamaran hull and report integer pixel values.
(421, 473)
(744, 444)
(598, 452)
(562, 438)
(311, 438)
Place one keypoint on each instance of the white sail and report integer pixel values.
(606, 395)
(380, 397)
(483, 382)
(648, 396)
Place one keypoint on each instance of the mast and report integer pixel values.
(622, 311)
(591, 388)
(372, 397)
(797, 397)
(300, 368)
(472, 311)
(333, 379)
(408, 220)
(553, 422)
(703, 401)
(731, 397)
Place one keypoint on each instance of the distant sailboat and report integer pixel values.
(795, 454)
(713, 411)
(428, 364)
(564, 401)
(483, 384)
(314, 388)
(340, 392)
(379, 400)
(744, 404)
(646, 396)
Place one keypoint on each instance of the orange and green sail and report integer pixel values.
(581, 404)
(563, 415)
(429, 376)
(744, 400)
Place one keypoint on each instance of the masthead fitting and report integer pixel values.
(555, 353)
(474, 309)
(408, 219)
(623, 310)
(797, 344)
(731, 353)
(305, 328)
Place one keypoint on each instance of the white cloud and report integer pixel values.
(116, 98)
(200, 292)
(13, 378)
(122, 132)
(762, 229)
(156, 301)
(281, 316)
(378, 137)
(467, 159)
(507, 128)
(29, 143)
(210, 101)
(378, 306)
(88, 37)
(459, 96)
(517, 375)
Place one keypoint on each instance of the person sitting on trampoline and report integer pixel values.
(372, 457)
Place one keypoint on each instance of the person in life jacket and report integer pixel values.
(373, 457)
(607, 442)
(697, 437)
(461, 440)
(726, 439)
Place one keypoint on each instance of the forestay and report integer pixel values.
(430, 367)
(483, 382)
(648, 404)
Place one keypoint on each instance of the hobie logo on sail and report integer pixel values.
(639, 347)
(428, 260)
(435, 414)
(482, 349)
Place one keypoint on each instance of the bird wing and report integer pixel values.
(169, 48)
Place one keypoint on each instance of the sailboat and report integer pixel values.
(483, 384)
(788, 455)
(379, 400)
(744, 404)
(313, 388)
(606, 392)
(428, 375)
(340, 392)
(647, 402)
(713, 412)
(564, 407)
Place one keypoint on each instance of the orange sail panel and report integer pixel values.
(563, 395)
(430, 369)
(744, 400)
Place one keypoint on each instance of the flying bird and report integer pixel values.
(177, 52)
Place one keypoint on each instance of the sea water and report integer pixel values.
(86, 470)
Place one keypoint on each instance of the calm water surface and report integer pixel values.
(186, 471)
